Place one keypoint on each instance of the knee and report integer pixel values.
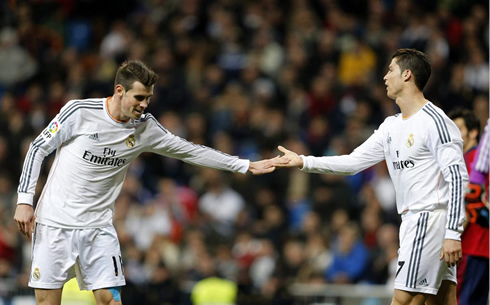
(401, 297)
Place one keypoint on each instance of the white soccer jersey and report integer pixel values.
(424, 155)
(93, 155)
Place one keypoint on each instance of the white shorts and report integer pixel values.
(421, 240)
(92, 255)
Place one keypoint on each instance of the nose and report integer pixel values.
(144, 103)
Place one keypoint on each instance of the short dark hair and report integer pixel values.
(415, 61)
(471, 121)
(131, 71)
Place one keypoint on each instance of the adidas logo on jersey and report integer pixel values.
(95, 137)
(423, 282)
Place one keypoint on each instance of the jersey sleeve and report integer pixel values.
(366, 155)
(59, 130)
(170, 145)
(444, 140)
(481, 163)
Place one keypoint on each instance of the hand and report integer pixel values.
(451, 252)
(24, 217)
(266, 166)
(293, 159)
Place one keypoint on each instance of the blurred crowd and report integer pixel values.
(241, 76)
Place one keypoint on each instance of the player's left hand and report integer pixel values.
(451, 252)
(266, 166)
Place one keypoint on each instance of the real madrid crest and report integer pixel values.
(36, 274)
(130, 141)
(410, 141)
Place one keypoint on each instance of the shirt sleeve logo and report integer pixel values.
(410, 141)
(53, 127)
(131, 142)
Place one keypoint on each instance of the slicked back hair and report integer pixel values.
(415, 61)
(131, 71)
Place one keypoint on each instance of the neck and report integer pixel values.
(411, 103)
(469, 145)
(114, 108)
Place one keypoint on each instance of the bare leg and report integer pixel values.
(104, 297)
(48, 296)
(445, 296)
(408, 298)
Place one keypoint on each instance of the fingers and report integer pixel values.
(25, 228)
(452, 259)
(264, 170)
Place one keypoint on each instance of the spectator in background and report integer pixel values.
(350, 257)
(16, 64)
(220, 204)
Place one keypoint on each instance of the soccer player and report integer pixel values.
(96, 140)
(474, 290)
(424, 153)
(472, 239)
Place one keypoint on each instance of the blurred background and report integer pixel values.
(241, 77)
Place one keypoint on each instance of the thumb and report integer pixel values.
(284, 150)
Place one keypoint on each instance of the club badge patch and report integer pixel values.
(410, 141)
(36, 274)
(131, 142)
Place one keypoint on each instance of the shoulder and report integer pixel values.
(389, 121)
(440, 125)
(149, 120)
(75, 106)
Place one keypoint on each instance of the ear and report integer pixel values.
(407, 74)
(119, 90)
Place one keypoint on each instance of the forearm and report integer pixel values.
(340, 165)
(30, 174)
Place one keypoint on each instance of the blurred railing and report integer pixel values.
(327, 294)
(304, 294)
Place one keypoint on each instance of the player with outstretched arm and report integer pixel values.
(96, 140)
(423, 149)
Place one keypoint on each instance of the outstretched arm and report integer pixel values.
(268, 165)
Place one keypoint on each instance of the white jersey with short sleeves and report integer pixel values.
(424, 155)
(93, 155)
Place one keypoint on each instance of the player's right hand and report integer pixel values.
(293, 160)
(24, 217)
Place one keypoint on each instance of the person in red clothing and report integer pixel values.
(475, 236)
